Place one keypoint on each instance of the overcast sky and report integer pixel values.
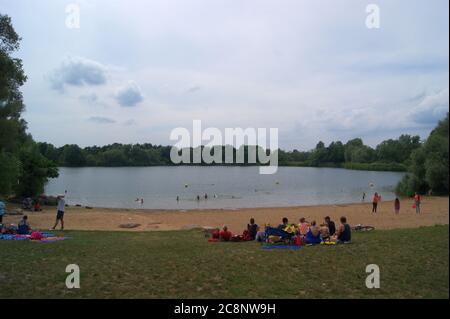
(135, 70)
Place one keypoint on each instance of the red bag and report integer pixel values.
(298, 241)
(246, 235)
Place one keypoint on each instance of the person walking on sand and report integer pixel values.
(60, 212)
(397, 206)
(417, 202)
(363, 197)
(375, 200)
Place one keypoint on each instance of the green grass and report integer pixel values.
(414, 263)
(376, 166)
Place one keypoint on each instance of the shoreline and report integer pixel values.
(435, 210)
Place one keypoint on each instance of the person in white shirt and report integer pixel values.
(60, 212)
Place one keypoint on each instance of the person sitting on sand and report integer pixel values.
(303, 227)
(37, 206)
(23, 228)
(284, 224)
(225, 234)
(331, 225)
(252, 228)
(313, 234)
(344, 232)
(27, 203)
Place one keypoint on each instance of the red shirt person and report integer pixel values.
(417, 202)
(225, 234)
(376, 198)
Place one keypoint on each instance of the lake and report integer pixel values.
(226, 187)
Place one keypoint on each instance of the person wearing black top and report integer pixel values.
(344, 234)
(331, 225)
(252, 228)
(284, 224)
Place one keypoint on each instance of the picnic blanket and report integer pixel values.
(46, 237)
(281, 247)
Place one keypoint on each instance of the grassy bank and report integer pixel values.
(377, 166)
(414, 263)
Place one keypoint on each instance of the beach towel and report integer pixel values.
(281, 247)
(38, 237)
(14, 237)
(51, 239)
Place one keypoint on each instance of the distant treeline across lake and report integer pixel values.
(389, 155)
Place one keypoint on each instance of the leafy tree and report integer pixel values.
(23, 170)
(428, 170)
(35, 171)
(336, 152)
(9, 172)
(73, 156)
(397, 151)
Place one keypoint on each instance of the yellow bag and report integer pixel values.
(274, 239)
(290, 229)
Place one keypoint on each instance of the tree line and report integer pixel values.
(428, 165)
(23, 169)
(392, 154)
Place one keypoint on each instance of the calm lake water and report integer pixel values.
(227, 187)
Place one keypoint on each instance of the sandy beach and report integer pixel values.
(435, 210)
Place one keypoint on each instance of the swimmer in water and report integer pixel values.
(198, 197)
(206, 196)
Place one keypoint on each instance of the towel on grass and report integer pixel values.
(281, 247)
(47, 237)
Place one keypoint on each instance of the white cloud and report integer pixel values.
(432, 108)
(78, 71)
(101, 120)
(129, 95)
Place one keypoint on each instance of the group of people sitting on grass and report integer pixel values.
(303, 233)
(22, 228)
